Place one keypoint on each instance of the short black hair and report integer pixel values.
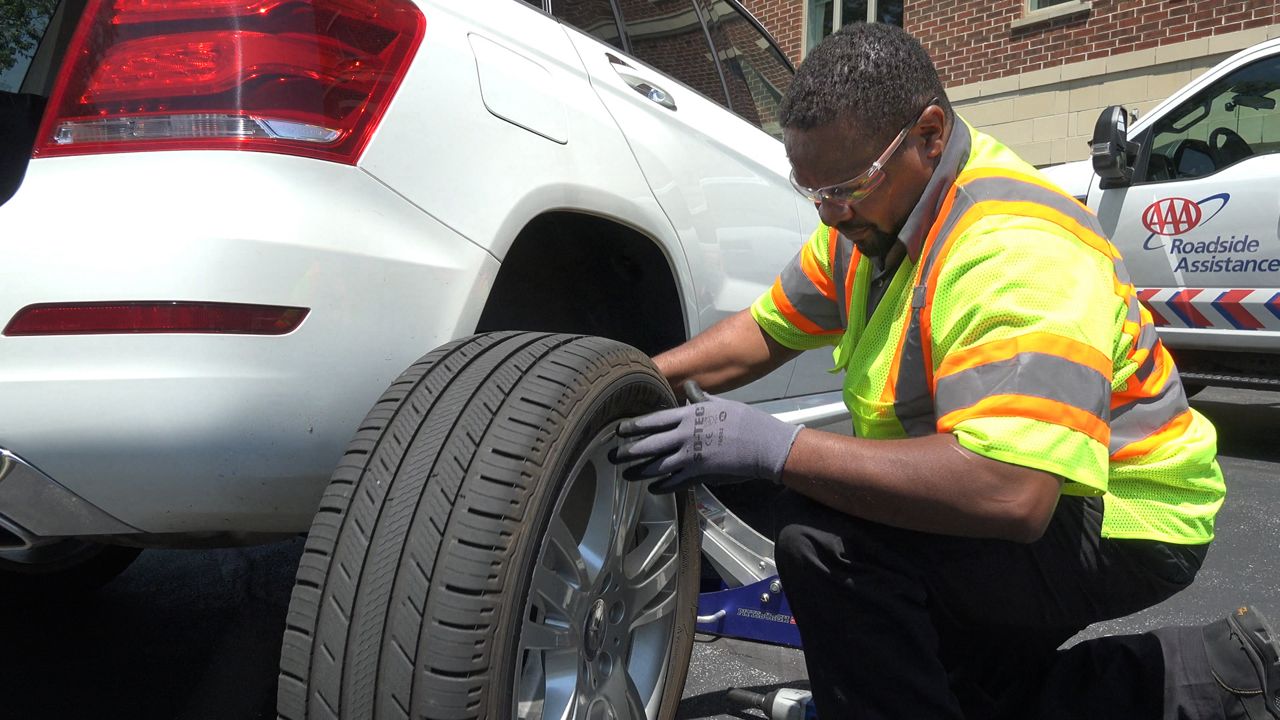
(873, 75)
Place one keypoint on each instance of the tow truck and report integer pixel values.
(1188, 194)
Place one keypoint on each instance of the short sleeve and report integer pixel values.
(802, 308)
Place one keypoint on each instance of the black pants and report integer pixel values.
(900, 624)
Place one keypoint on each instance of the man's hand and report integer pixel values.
(713, 440)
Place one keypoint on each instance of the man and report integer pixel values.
(1024, 461)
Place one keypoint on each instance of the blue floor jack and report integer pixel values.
(751, 604)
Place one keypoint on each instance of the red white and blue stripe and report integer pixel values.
(1214, 308)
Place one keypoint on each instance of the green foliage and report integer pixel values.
(22, 23)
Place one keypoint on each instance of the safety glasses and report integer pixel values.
(857, 189)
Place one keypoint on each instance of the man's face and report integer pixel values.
(836, 152)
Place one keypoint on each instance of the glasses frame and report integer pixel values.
(859, 187)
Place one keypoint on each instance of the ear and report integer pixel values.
(932, 128)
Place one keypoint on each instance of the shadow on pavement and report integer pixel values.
(203, 644)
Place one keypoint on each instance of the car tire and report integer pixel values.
(60, 569)
(476, 554)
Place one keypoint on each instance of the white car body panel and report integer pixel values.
(726, 192)
(458, 138)
(1073, 177)
(519, 90)
(173, 432)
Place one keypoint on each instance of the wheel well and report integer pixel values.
(568, 272)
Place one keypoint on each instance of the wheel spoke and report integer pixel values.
(635, 703)
(557, 593)
(654, 612)
(662, 535)
(628, 499)
(597, 541)
(546, 636)
(561, 686)
(548, 685)
(560, 540)
(624, 697)
(654, 580)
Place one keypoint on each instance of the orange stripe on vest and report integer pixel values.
(794, 316)
(813, 271)
(1170, 432)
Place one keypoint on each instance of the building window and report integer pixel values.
(1039, 11)
(827, 16)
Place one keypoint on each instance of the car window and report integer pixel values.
(1232, 119)
(756, 72)
(593, 17)
(24, 25)
(668, 34)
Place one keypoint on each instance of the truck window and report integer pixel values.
(757, 74)
(1226, 122)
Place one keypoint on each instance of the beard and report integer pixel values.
(870, 240)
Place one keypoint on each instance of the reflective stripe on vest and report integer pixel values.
(1063, 378)
(817, 303)
(844, 258)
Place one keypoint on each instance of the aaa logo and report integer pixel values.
(1172, 216)
(1168, 217)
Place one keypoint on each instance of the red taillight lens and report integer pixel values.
(154, 317)
(306, 77)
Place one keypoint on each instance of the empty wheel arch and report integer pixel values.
(568, 272)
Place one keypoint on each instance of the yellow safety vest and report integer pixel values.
(1011, 323)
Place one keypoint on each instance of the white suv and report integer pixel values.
(229, 225)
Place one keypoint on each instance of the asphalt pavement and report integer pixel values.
(186, 635)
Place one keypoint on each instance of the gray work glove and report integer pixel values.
(715, 441)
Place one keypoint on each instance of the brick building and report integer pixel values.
(1036, 73)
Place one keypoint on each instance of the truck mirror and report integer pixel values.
(1113, 155)
(1257, 102)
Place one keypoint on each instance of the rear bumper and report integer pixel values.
(34, 506)
(195, 433)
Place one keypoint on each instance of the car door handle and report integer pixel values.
(644, 87)
(649, 90)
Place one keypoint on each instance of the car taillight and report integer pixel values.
(154, 317)
(302, 77)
